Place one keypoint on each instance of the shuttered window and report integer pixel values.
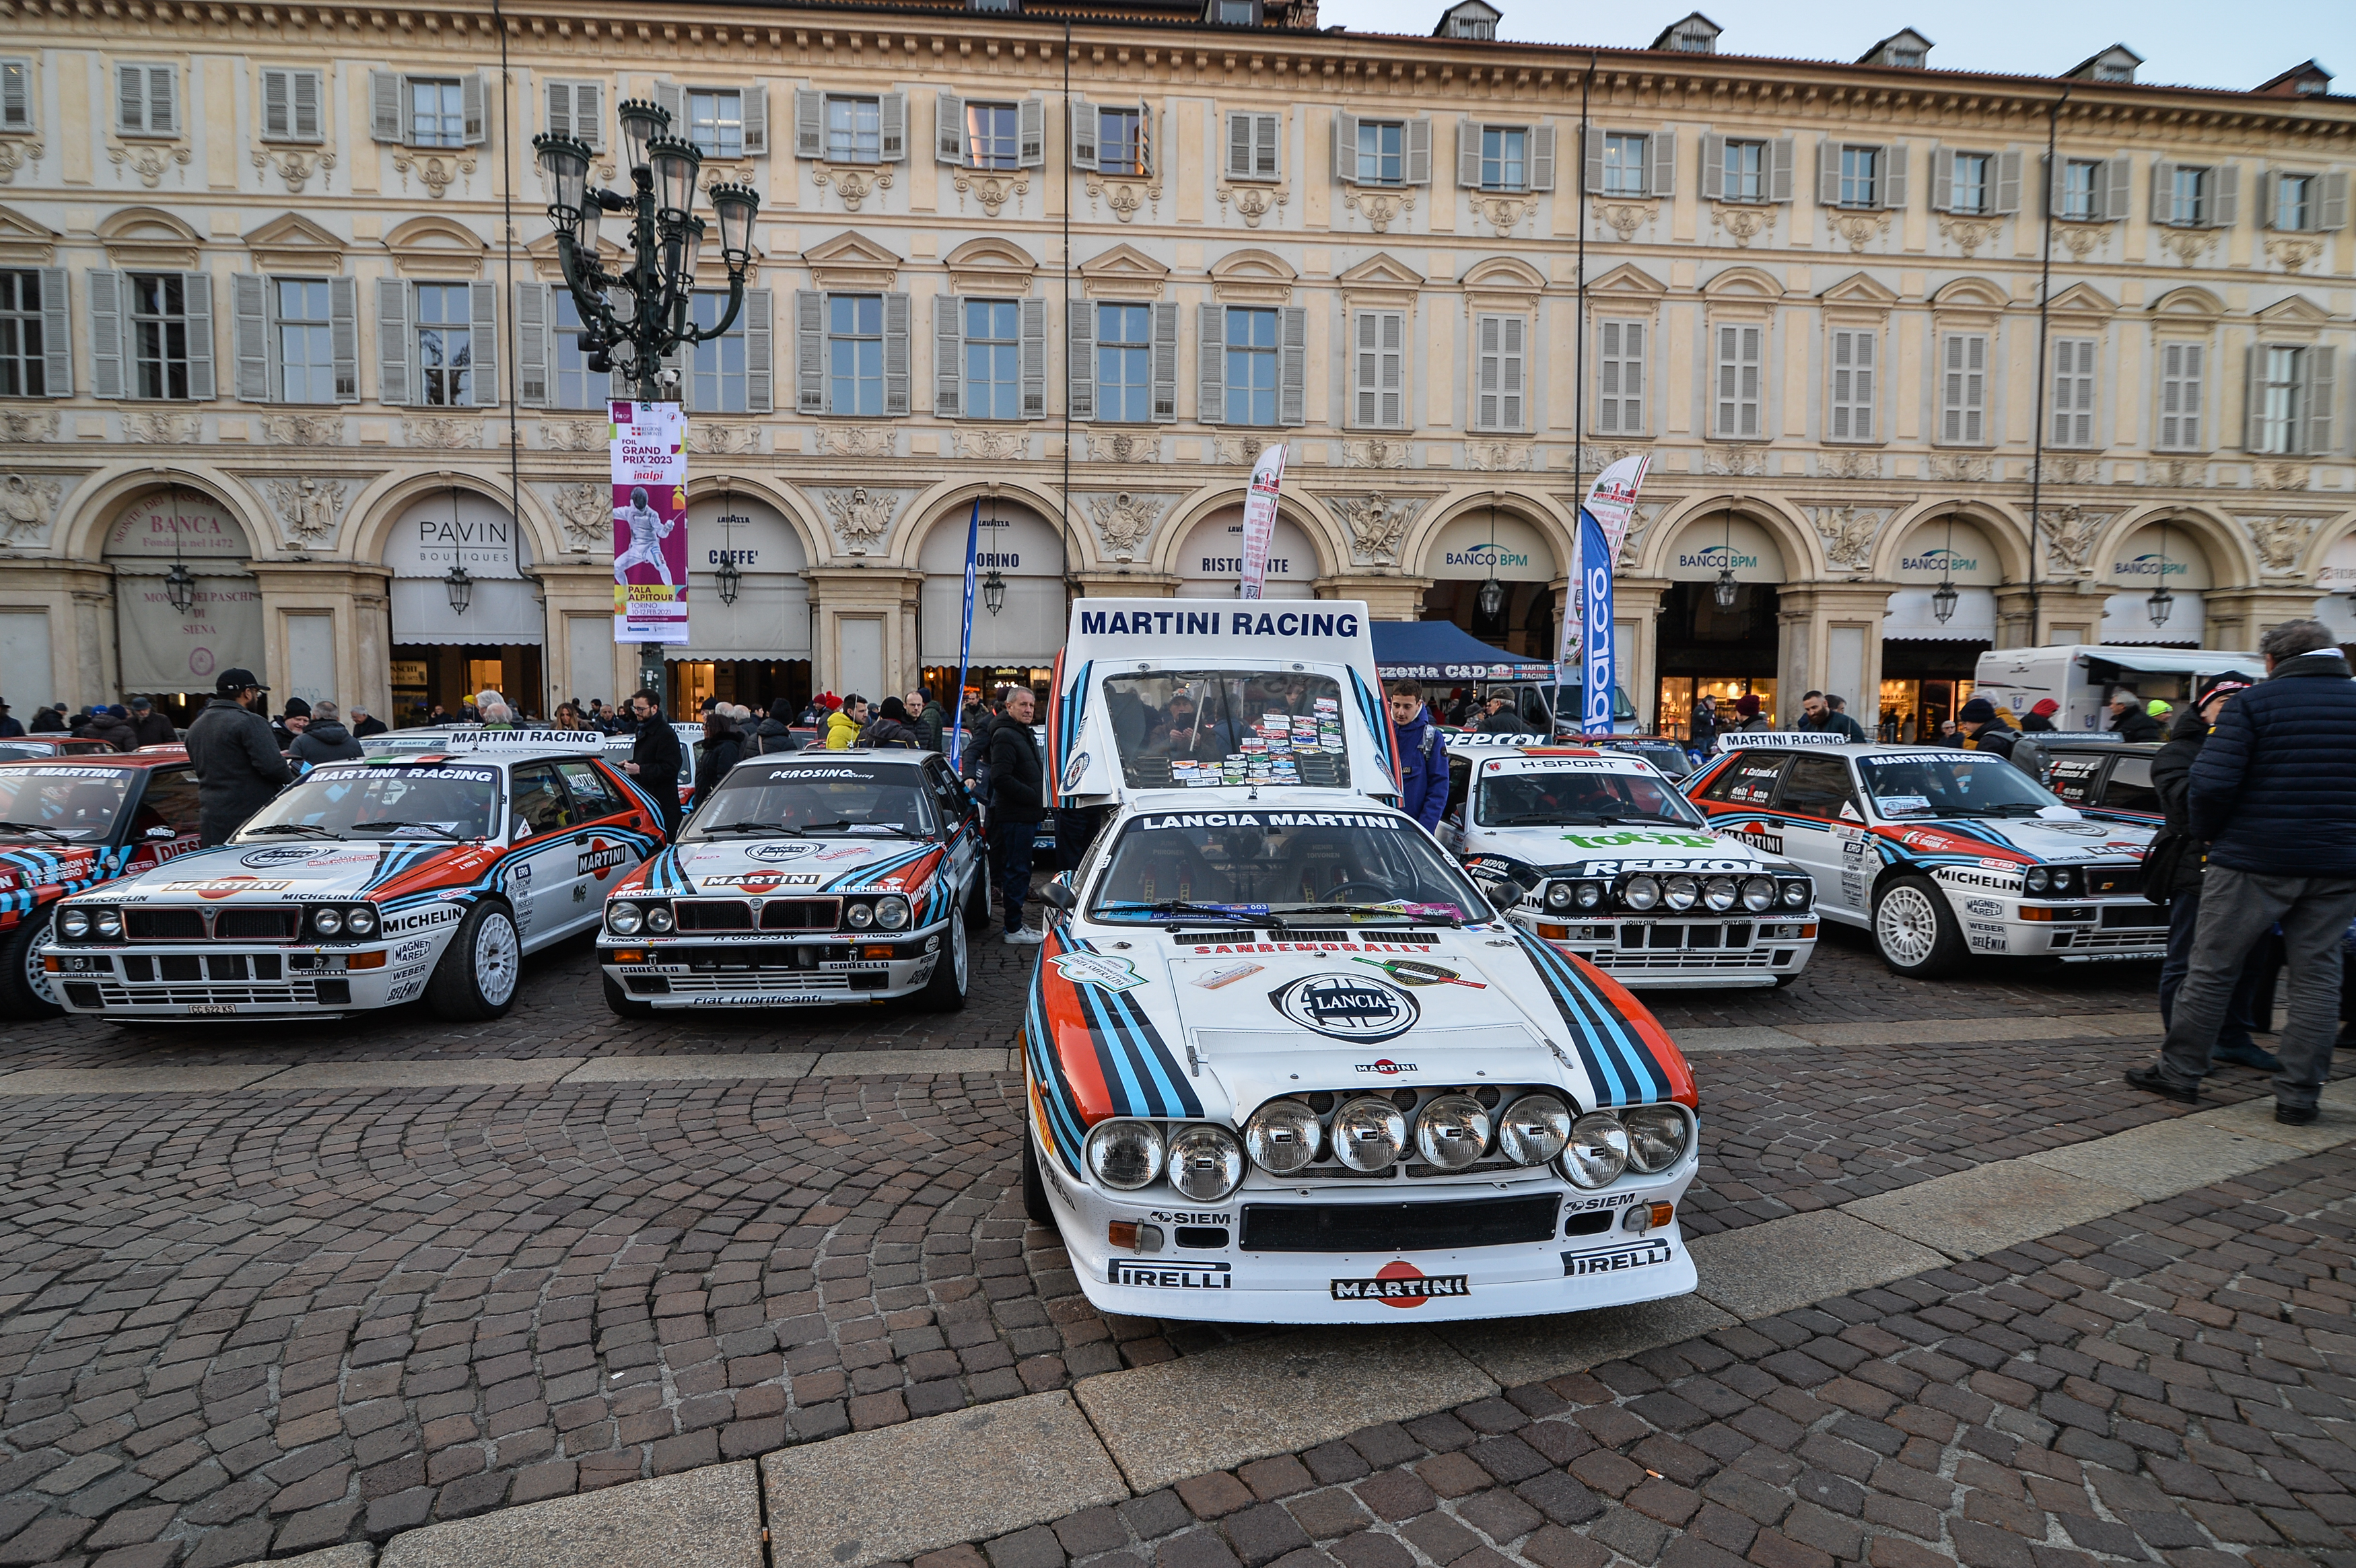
(147, 101)
(2074, 393)
(2180, 386)
(1963, 388)
(1501, 385)
(15, 95)
(577, 109)
(1252, 146)
(32, 332)
(1378, 369)
(1251, 366)
(1738, 382)
(1854, 355)
(1619, 378)
(854, 354)
(290, 105)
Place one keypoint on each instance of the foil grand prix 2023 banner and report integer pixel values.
(649, 441)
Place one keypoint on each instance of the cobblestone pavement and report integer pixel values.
(2177, 1384)
(246, 1322)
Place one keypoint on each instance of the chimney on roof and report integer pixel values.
(2305, 80)
(2116, 63)
(1697, 35)
(1906, 50)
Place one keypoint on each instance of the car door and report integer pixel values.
(1816, 808)
(598, 862)
(956, 821)
(540, 879)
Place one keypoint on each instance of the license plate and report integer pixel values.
(211, 1008)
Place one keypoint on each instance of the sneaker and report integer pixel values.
(2249, 1056)
(2294, 1115)
(1025, 938)
(2148, 1079)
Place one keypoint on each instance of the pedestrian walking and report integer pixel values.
(325, 738)
(1018, 804)
(1703, 731)
(2039, 717)
(2269, 796)
(1978, 728)
(234, 755)
(655, 759)
(148, 726)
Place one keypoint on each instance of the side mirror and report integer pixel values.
(1056, 895)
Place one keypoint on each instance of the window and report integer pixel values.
(1124, 390)
(290, 105)
(1378, 369)
(1252, 146)
(993, 349)
(1624, 158)
(1619, 378)
(1251, 366)
(445, 359)
(1121, 141)
(2081, 189)
(1860, 169)
(2293, 197)
(1969, 193)
(993, 137)
(854, 354)
(537, 801)
(437, 114)
(1381, 152)
(1907, 58)
(1503, 158)
(307, 350)
(24, 335)
(2188, 197)
(1239, 13)
(147, 101)
(2074, 392)
(1500, 383)
(1854, 352)
(1746, 171)
(1815, 787)
(575, 385)
(715, 123)
(1738, 382)
(2281, 399)
(854, 129)
(577, 109)
(2180, 396)
(159, 334)
(1963, 389)
(593, 795)
(15, 95)
(717, 375)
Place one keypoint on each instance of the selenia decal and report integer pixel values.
(1344, 1007)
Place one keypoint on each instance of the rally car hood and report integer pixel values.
(305, 872)
(1604, 851)
(2027, 841)
(830, 863)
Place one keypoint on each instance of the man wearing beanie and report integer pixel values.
(113, 725)
(1983, 731)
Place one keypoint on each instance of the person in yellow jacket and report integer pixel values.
(843, 725)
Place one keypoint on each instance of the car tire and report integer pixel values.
(1915, 931)
(480, 970)
(1034, 1187)
(952, 972)
(623, 1004)
(976, 898)
(21, 989)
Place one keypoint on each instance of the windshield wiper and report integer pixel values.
(869, 827)
(312, 828)
(36, 828)
(1194, 910)
(1604, 819)
(750, 828)
(406, 826)
(1410, 916)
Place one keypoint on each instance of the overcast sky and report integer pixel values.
(2196, 43)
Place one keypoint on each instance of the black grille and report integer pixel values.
(2117, 881)
(720, 914)
(801, 914)
(1594, 1222)
(258, 924)
(1397, 1227)
(165, 924)
(1360, 934)
(2133, 916)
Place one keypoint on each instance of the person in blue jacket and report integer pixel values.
(1423, 756)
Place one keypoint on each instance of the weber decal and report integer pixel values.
(1614, 1260)
(1169, 1276)
(1400, 1285)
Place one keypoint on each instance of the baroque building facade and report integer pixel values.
(282, 308)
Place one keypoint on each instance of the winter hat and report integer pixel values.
(2046, 708)
(1978, 710)
(894, 710)
(2158, 709)
(1747, 706)
(296, 706)
(2223, 686)
(116, 710)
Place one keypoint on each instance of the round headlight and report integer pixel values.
(1758, 895)
(659, 918)
(74, 923)
(1125, 1155)
(1283, 1136)
(891, 914)
(2038, 879)
(1206, 1162)
(1642, 893)
(1591, 894)
(1656, 1136)
(1795, 895)
(327, 921)
(1369, 1133)
(1558, 895)
(858, 917)
(108, 923)
(2066, 883)
(1598, 1151)
(624, 918)
(1534, 1129)
(1680, 891)
(360, 920)
(1452, 1132)
(1720, 892)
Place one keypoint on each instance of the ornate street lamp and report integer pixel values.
(181, 586)
(993, 592)
(1726, 591)
(1492, 597)
(727, 577)
(1943, 601)
(2162, 601)
(461, 587)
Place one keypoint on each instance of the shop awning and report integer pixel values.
(1441, 650)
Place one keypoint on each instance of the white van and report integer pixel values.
(2080, 676)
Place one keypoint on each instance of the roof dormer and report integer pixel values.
(1697, 35)
(1905, 49)
(2116, 63)
(1472, 19)
(2305, 80)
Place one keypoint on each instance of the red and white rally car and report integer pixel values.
(77, 823)
(368, 884)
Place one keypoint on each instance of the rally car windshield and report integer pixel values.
(1183, 728)
(60, 805)
(1951, 785)
(792, 799)
(436, 800)
(1339, 865)
(1565, 798)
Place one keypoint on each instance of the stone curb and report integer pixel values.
(166, 1078)
(1809, 1036)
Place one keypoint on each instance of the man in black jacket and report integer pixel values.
(655, 759)
(2129, 721)
(149, 728)
(236, 758)
(2269, 796)
(1018, 804)
(2172, 769)
(1979, 724)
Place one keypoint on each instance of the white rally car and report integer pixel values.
(365, 885)
(810, 878)
(1285, 1063)
(1597, 852)
(1943, 855)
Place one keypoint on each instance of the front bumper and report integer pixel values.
(226, 979)
(1683, 951)
(2077, 931)
(761, 971)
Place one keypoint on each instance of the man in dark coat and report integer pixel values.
(325, 738)
(235, 756)
(772, 736)
(1979, 724)
(2129, 721)
(2171, 771)
(113, 725)
(1018, 804)
(891, 726)
(2269, 796)
(655, 757)
(365, 723)
(48, 721)
(1423, 756)
(1818, 712)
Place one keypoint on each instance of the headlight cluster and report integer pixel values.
(351, 922)
(1604, 1144)
(1452, 1132)
(2054, 881)
(888, 913)
(102, 922)
(1678, 894)
(625, 917)
(1206, 1163)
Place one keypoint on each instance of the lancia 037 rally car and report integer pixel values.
(73, 824)
(1284, 1062)
(365, 884)
(1595, 851)
(1942, 855)
(809, 877)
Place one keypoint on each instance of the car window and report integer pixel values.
(1460, 785)
(1748, 779)
(947, 790)
(1815, 787)
(2072, 776)
(169, 801)
(537, 804)
(2129, 788)
(593, 794)
(61, 802)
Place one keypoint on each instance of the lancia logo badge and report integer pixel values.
(1342, 1007)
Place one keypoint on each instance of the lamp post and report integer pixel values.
(1725, 591)
(1943, 601)
(2162, 601)
(460, 583)
(993, 592)
(727, 578)
(179, 584)
(1492, 597)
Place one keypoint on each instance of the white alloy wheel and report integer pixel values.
(36, 976)
(1915, 930)
(960, 953)
(498, 958)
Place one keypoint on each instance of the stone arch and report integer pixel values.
(1971, 294)
(808, 529)
(148, 237)
(1505, 273)
(1252, 276)
(2232, 559)
(1327, 536)
(2005, 529)
(1795, 535)
(1742, 282)
(2327, 533)
(991, 265)
(432, 246)
(928, 509)
(2191, 303)
(373, 511)
(1542, 513)
(80, 533)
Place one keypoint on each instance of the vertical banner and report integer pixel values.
(1611, 503)
(1259, 518)
(965, 636)
(1595, 598)
(648, 445)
